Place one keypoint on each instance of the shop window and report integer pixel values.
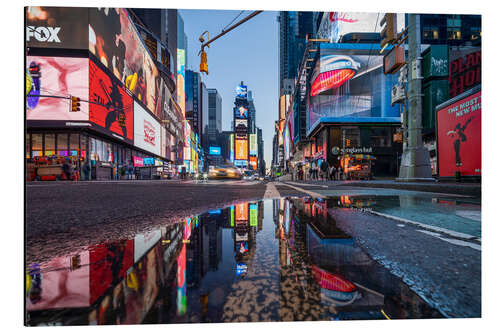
(62, 144)
(380, 137)
(50, 144)
(351, 137)
(28, 145)
(94, 149)
(74, 145)
(83, 145)
(36, 145)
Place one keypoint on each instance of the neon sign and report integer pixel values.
(335, 71)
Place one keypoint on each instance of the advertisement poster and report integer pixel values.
(181, 80)
(231, 148)
(56, 76)
(146, 130)
(57, 27)
(241, 128)
(112, 107)
(143, 242)
(241, 112)
(459, 137)
(241, 91)
(253, 144)
(164, 142)
(113, 39)
(241, 149)
(242, 212)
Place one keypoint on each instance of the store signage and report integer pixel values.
(43, 34)
(360, 150)
(138, 162)
(465, 71)
(335, 150)
(215, 151)
(334, 72)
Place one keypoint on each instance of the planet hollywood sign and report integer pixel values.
(465, 70)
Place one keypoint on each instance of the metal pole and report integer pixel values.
(231, 28)
(415, 161)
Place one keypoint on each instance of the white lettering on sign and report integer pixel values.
(43, 34)
(468, 106)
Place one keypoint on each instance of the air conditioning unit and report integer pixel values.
(398, 94)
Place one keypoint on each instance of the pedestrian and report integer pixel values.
(324, 170)
(333, 170)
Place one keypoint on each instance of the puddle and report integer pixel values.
(273, 260)
(457, 214)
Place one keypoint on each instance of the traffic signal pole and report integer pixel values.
(415, 161)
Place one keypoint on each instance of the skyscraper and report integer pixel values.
(251, 114)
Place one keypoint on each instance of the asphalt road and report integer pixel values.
(441, 264)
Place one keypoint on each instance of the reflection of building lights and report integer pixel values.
(330, 80)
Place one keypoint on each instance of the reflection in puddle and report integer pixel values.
(274, 260)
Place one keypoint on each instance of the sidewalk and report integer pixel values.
(473, 189)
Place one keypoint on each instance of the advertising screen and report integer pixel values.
(146, 130)
(241, 149)
(114, 40)
(215, 151)
(241, 163)
(112, 107)
(56, 76)
(241, 112)
(253, 144)
(253, 162)
(241, 128)
(164, 141)
(348, 85)
(231, 148)
(241, 91)
(57, 27)
(459, 137)
(181, 80)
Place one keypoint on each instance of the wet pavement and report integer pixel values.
(287, 259)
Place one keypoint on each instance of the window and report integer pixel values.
(431, 33)
(50, 144)
(36, 145)
(351, 137)
(454, 33)
(28, 146)
(62, 144)
(380, 137)
(74, 145)
(475, 33)
(83, 145)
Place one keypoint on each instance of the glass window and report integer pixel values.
(454, 33)
(94, 154)
(74, 145)
(28, 145)
(50, 144)
(62, 144)
(83, 145)
(475, 33)
(351, 137)
(380, 137)
(431, 33)
(36, 145)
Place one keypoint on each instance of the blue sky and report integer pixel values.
(248, 53)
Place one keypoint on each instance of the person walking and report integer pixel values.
(333, 171)
(324, 170)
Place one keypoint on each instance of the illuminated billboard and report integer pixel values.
(459, 137)
(241, 112)
(253, 144)
(253, 215)
(114, 40)
(241, 212)
(241, 91)
(147, 132)
(214, 151)
(241, 149)
(253, 162)
(181, 80)
(231, 148)
(241, 128)
(111, 106)
(348, 85)
(56, 76)
(57, 27)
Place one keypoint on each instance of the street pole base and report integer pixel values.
(415, 166)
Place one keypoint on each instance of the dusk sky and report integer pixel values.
(248, 53)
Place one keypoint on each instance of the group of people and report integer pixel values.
(318, 171)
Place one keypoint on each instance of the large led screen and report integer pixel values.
(459, 137)
(241, 112)
(348, 85)
(241, 149)
(111, 107)
(56, 78)
(146, 130)
(115, 42)
(241, 128)
(57, 27)
(253, 144)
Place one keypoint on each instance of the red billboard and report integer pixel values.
(110, 107)
(459, 137)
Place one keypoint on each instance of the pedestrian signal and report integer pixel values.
(75, 104)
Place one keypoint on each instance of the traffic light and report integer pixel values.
(75, 104)
(121, 120)
(389, 32)
(203, 63)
